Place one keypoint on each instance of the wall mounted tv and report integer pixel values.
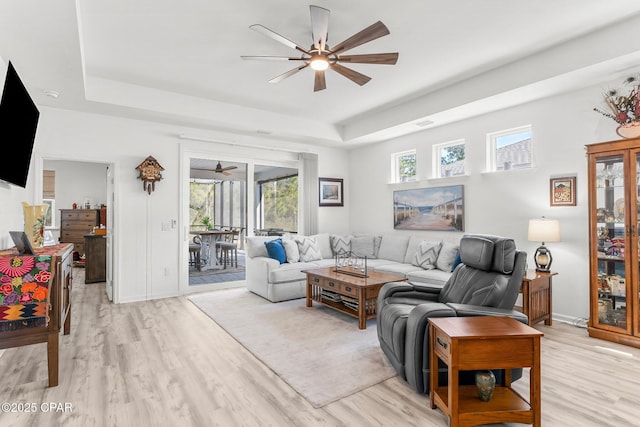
(18, 121)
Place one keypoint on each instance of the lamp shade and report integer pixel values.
(544, 230)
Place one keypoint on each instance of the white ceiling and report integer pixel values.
(179, 62)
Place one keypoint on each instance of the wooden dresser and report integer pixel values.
(75, 223)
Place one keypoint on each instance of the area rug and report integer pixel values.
(318, 351)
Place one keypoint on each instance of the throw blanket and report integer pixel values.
(24, 287)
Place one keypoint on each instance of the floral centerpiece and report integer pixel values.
(624, 108)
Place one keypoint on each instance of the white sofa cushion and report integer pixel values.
(447, 255)
(393, 247)
(290, 272)
(255, 246)
(412, 248)
(324, 243)
(397, 268)
(292, 251)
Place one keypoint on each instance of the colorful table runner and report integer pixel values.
(24, 287)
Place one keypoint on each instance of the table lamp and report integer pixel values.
(543, 230)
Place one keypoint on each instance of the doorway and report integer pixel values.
(83, 184)
(217, 221)
(212, 154)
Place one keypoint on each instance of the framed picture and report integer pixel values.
(331, 192)
(50, 216)
(563, 191)
(435, 208)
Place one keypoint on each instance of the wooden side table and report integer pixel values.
(536, 296)
(479, 343)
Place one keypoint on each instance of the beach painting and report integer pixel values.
(434, 208)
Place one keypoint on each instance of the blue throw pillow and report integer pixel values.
(456, 261)
(276, 250)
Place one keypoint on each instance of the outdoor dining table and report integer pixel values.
(209, 239)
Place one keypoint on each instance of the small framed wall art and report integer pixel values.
(331, 192)
(563, 191)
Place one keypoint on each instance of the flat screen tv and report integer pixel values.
(18, 121)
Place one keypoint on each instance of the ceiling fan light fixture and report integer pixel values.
(319, 62)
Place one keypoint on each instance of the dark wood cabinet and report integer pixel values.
(75, 223)
(95, 265)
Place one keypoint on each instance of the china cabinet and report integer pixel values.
(614, 169)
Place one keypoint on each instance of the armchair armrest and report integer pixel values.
(467, 310)
(391, 288)
(431, 288)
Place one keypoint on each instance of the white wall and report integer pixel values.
(11, 216)
(148, 254)
(502, 203)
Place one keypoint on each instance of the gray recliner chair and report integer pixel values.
(486, 283)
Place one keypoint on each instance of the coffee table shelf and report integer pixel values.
(361, 290)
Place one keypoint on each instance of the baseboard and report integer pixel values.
(580, 322)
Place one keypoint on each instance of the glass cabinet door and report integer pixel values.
(634, 287)
(613, 231)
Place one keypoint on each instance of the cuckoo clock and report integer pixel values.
(149, 173)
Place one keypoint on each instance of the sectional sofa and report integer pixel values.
(419, 258)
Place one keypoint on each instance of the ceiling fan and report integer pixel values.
(219, 169)
(320, 56)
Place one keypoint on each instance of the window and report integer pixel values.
(448, 159)
(403, 166)
(201, 198)
(510, 149)
(279, 204)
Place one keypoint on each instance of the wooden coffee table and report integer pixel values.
(478, 343)
(352, 295)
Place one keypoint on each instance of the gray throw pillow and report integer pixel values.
(447, 256)
(308, 248)
(427, 254)
(340, 244)
(363, 246)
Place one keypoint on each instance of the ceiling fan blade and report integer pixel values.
(207, 170)
(277, 37)
(372, 58)
(352, 75)
(287, 74)
(272, 58)
(228, 168)
(319, 26)
(225, 173)
(372, 32)
(320, 82)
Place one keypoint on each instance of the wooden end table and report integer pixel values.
(479, 343)
(536, 296)
(356, 296)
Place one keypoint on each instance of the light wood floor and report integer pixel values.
(164, 363)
